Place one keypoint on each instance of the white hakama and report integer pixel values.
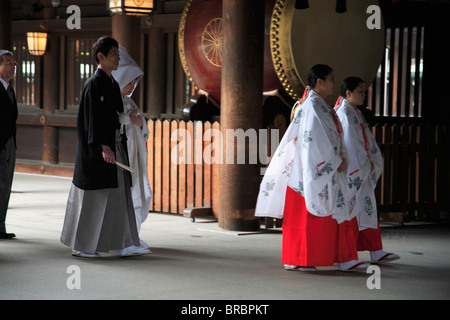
(101, 220)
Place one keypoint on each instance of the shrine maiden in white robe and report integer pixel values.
(307, 160)
(362, 152)
(141, 192)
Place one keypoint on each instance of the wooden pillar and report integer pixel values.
(51, 98)
(241, 108)
(5, 25)
(156, 72)
(126, 29)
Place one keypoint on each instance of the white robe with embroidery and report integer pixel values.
(362, 152)
(307, 160)
(141, 192)
(137, 153)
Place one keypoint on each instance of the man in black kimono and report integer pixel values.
(100, 214)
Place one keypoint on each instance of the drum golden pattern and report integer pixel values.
(212, 42)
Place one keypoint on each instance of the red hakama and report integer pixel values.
(310, 241)
(367, 239)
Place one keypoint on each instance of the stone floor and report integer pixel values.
(200, 261)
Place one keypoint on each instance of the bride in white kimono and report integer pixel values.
(128, 75)
(364, 169)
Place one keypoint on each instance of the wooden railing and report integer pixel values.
(178, 174)
(416, 173)
(415, 178)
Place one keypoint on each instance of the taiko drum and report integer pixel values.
(295, 40)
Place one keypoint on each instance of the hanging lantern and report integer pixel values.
(131, 7)
(37, 43)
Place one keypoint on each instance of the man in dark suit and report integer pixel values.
(8, 117)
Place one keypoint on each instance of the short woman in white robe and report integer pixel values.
(364, 169)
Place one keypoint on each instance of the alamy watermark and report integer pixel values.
(374, 281)
(229, 146)
(74, 280)
(374, 21)
(74, 20)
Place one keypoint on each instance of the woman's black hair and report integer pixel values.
(350, 83)
(319, 71)
(103, 45)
